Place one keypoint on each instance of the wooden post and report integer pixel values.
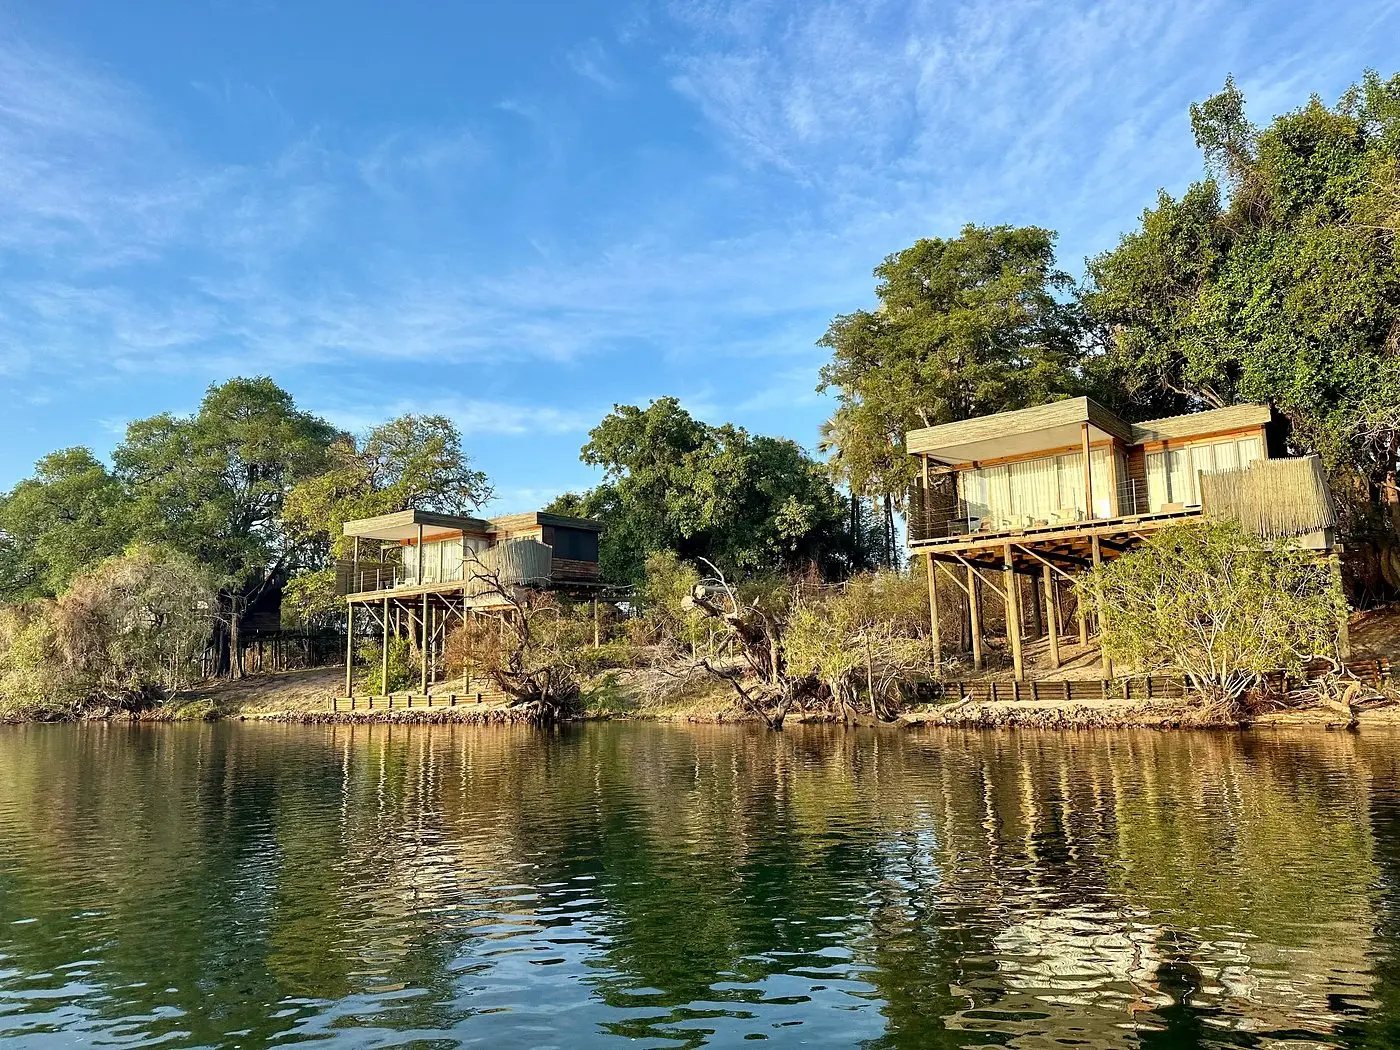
(1107, 663)
(1082, 616)
(432, 643)
(595, 623)
(935, 637)
(349, 647)
(1052, 614)
(1013, 615)
(975, 613)
(384, 656)
(1088, 473)
(1113, 508)
(423, 635)
(1037, 608)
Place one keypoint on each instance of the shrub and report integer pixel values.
(403, 666)
(126, 634)
(1218, 605)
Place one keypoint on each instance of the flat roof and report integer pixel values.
(403, 525)
(1056, 425)
(1059, 425)
(541, 517)
(1211, 421)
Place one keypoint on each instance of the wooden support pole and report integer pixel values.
(1052, 614)
(1081, 613)
(384, 656)
(349, 648)
(1088, 473)
(595, 623)
(1013, 615)
(935, 634)
(1037, 608)
(975, 615)
(425, 641)
(1107, 663)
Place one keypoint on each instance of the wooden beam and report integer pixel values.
(935, 630)
(1013, 618)
(384, 656)
(1088, 472)
(1107, 663)
(1048, 565)
(349, 649)
(973, 568)
(975, 615)
(1052, 614)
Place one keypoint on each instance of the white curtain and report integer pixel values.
(1173, 475)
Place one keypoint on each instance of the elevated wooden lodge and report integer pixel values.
(421, 574)
(1052, 491)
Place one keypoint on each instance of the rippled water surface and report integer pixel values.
(239, 885)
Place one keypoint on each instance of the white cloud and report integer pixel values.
(590, 61)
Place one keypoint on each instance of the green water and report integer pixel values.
(660, 887)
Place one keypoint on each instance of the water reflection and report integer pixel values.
(251, 885)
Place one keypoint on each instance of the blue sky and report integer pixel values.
(519, 214)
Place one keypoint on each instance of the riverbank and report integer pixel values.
(304, 697)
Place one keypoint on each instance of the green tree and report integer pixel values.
(965, 326)
(212, 485)
(408, 463)
(672, 482)
(70, 515)
(1274, 279)
(1215, 603)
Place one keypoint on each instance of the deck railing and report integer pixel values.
(510, 564)
(941, 517)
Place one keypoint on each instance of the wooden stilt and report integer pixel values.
(1013, 614)
(1037, 608)
(1088, 473)
(975, 614)
(384, 656)
(1107, 663)
(595, 623)
(1052, 614)
(426, 641)
(935, 631)
(1082, 615)
(349, 648)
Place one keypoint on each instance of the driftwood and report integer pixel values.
(760, 678)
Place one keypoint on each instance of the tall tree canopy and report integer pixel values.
(212, 484)
(1275, 279)
(70, 515)
(408, 463)
(974, 324)
(672, 482)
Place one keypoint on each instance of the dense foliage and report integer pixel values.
(1213, 602)
(965, 326)
(1274, 279)
(125, 634)
(1277, 279)
(674, 483)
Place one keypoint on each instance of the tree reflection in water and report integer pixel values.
(685, 886)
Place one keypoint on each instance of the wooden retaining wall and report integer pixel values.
(480, 693)
(1373, 672)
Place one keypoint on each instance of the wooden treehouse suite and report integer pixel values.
(1051, 491)
(419, 574)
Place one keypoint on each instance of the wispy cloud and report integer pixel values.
(590, 61)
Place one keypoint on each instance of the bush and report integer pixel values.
(1217, 604)
(403, 666)
(126, 634)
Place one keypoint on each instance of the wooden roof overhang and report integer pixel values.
(1066, 547)
(1215, 421)
(403, 526)
(1024, 432)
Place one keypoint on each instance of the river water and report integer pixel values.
(655, 886)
